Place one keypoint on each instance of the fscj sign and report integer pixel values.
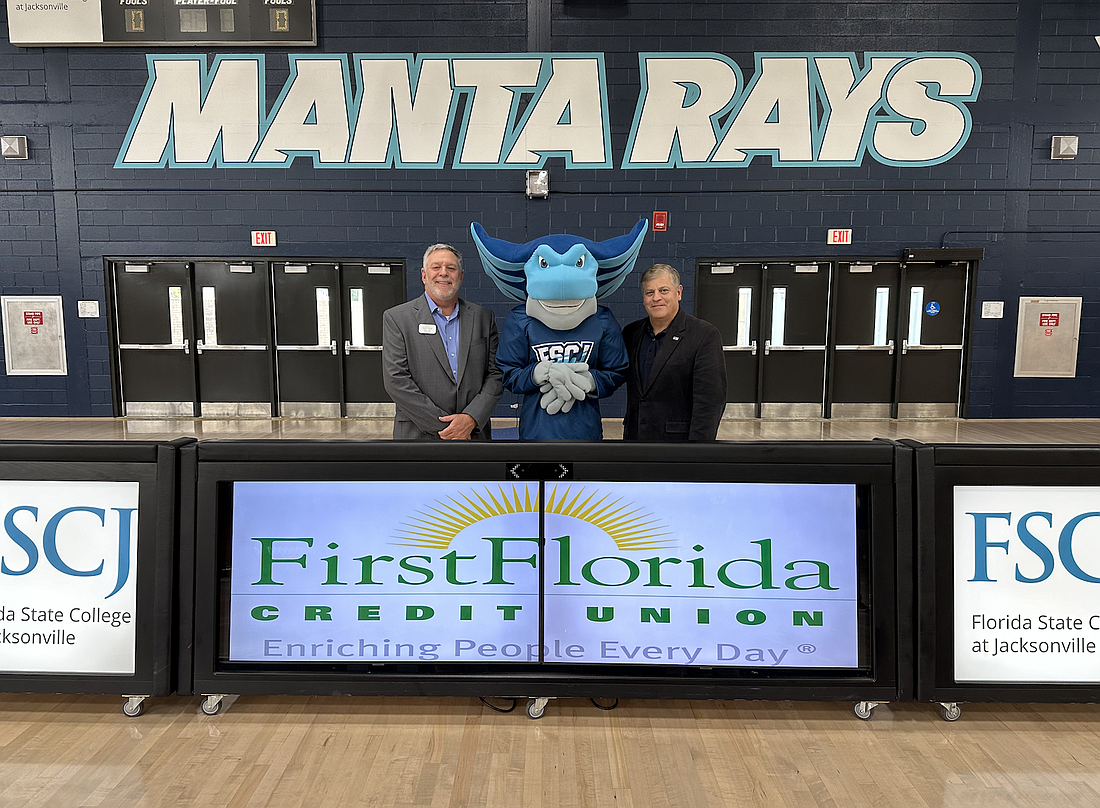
(694, 110)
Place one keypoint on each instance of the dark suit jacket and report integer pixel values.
(418, 377)
(685, 395)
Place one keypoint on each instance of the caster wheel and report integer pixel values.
(951, 712)
(131, 709)
(211, 708)
(535, 710)
(863, 710)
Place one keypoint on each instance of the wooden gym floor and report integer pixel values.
(405, 752)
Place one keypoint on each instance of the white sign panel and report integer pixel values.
(1027, 584)
(68, 582)
(48, 21)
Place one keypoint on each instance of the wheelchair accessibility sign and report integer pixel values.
(932, 309)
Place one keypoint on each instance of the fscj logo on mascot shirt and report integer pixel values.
(563, 351)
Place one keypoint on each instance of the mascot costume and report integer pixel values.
(560, 349)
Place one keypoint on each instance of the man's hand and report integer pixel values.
(459, 426)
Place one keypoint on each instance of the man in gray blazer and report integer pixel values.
(439, 357)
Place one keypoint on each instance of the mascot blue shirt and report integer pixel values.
(597, 341)
(560, 350)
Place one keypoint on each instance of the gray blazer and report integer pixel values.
(418, 378)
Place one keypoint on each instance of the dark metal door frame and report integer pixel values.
(966, 260)
(111, 265)
(766, 318)
(891, 346)
(234, 409)
(747, 342)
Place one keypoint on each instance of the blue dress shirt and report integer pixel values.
(447, 328)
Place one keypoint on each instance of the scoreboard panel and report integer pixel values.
(162, 22)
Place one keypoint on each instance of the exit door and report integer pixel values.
(233, 352)
(153, 335)
(796, 318)
(864, 350)
(934, 301)
(727, 294)
(307, 327)
(367, 290)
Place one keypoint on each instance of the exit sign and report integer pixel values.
(839, 237)
(263, 238)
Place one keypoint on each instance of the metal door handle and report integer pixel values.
(767, 347)
(751, 347)
(172, 346)
(932, 347)
(888, 347)
(200, 347)
(348, 347)
(330, 347)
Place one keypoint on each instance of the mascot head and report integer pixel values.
(559, 277)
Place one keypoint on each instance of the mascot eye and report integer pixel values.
(580, 261)
(542, 262)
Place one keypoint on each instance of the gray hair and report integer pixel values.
(658, 269)
(437, 248)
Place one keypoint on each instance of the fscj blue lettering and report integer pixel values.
(1027, 526)
(22, 539)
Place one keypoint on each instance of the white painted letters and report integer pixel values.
(693, 111)
(681, 98)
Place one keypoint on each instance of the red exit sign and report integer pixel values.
(263, 238)
(839, 237)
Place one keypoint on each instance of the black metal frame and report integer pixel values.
(154, 467)
(882, 466)
(938, 470)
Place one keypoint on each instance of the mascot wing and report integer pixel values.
(504, 261)
(616, 258)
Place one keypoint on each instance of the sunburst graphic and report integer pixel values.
(630, 527)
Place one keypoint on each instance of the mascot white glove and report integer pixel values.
(561, 384)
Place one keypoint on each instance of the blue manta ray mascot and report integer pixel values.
(560, 349)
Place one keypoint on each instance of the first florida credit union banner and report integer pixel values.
(1027, 584)
(68, 588)
(732, 574)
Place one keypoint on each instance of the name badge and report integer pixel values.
(427, 328)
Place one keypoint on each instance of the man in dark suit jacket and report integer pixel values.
(676, 384)
(439, 357)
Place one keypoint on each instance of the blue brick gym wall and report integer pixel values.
(67, 207)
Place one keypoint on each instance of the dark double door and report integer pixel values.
(774, 323)
(250, 338)
(841, 339)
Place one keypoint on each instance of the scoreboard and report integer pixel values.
(162, 22)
